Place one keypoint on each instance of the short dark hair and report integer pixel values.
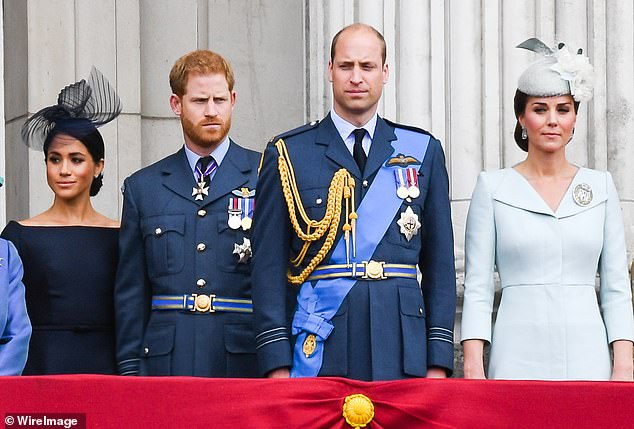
(359, 26)
(84, 131)
(519, 105)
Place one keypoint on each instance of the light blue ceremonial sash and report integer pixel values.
(317, 306)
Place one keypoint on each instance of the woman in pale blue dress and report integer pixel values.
(548, 226)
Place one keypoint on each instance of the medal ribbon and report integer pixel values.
(400, 179)
(210, 169)
(412, 177)
(317, 305)
(248, 208)
(235, 204)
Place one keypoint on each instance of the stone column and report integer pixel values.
(15, 68)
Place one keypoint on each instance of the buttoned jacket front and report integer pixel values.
(382, 329)
(549, 324)
(172, 244)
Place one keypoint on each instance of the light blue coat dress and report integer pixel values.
(15, 327)
(549, 324)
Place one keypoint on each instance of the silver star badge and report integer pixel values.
(243, 250)
(409, 223)
(200, 191)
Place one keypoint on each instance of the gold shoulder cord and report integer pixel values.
(341, 188)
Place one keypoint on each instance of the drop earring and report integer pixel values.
(524, 134)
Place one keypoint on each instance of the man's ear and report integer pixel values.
(175, 104)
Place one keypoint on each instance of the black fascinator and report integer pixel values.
(81, 108)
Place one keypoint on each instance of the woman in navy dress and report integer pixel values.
(70, 251)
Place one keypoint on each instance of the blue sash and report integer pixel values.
(317, 306)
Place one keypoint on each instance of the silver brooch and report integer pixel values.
(409, 223)
(582, 194)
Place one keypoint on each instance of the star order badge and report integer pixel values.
(582, 194)
(409, 223)
(200, 191)
(243, 250)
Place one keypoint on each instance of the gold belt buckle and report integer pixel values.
(373, 270)
(203, 303)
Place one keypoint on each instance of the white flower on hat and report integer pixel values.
(577, 70)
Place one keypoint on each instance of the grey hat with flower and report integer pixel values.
(558, 72)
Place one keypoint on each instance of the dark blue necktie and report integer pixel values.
(206, 166)
(357, 152)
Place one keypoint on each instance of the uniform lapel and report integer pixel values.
(337, 151)
(231, 174)
(381, 147)
(178, 177)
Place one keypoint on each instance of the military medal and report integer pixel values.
(243, 250)
(412, 180)
(246, 203)
(401, 189)
(310, 344)
(409, 223)
(200, 191)
(235, 212)
(582, 194)
(248, 213)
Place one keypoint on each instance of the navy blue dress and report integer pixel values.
(69, 274)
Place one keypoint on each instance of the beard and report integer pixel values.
(206, 137)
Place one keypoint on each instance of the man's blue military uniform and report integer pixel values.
(384, 327)
(183, 297)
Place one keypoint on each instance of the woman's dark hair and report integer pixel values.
(519, 105)
(84, 131)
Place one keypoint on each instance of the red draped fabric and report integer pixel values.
(188, 402)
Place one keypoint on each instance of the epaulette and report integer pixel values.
(295, 131)
(408, 127)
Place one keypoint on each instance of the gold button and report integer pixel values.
(202, 213)
(158, 231)
(365, 183)
(201, 282)
(201, 247)
(146, 351)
